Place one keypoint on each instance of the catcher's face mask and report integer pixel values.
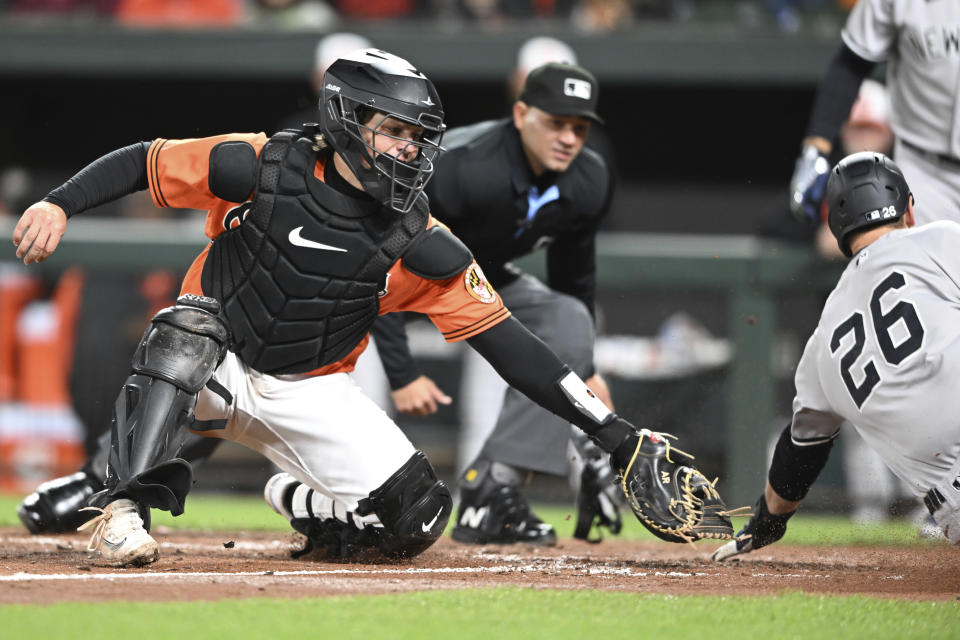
(396, 156)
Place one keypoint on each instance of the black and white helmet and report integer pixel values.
(372, 80)
(864, 190)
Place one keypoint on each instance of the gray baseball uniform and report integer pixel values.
(920, 41)
(886, 357)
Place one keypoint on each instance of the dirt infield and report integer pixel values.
(195, 566)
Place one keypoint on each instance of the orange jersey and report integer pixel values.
(461, 307)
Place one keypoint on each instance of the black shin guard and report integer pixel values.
(176, 358)
(196, 450)
(149, 426)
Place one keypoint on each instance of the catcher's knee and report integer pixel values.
(413, 506)
(183, 344)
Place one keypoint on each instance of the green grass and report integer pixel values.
(249, 513)
(495, 613)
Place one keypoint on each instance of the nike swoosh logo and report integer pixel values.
(113, 546)
(426, 527)
(296, 239)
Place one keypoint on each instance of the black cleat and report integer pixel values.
(55, 506)
(497, 514)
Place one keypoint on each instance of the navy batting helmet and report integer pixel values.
(372, 80)
(865, 189)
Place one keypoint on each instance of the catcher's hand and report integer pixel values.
(809, 184)
(669, 496)
(764, 528)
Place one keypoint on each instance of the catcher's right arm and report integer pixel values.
(669, 496)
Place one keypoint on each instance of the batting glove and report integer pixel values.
(808, 184)
(764, 528)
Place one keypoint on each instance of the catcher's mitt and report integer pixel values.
(669, 496)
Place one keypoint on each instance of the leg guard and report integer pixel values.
(196, 450)
(55, 505)
(177, 356)
(413, 505)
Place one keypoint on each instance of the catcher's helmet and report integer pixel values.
(371, 81)
(865, 189)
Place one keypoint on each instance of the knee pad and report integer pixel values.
(183, 344)
(413, 506)
(176, 357)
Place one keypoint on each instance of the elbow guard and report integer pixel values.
(795, 468)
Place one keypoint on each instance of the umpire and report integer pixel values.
(507, 188)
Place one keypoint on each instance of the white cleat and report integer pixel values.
(119, 538)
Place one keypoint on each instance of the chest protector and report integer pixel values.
(298, 279)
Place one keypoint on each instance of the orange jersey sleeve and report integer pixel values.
(460, 307)
(178, 172)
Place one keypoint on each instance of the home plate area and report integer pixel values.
(204, 566)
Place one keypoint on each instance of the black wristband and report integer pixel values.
(837, 92)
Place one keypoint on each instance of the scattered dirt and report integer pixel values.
(201, 566)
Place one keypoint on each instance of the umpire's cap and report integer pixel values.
(865, 189)
(562, 90)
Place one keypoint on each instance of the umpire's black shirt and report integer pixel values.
(485, 191)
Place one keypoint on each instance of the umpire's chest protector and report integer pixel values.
(298, 279)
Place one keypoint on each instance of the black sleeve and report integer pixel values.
(529, 366)
(391, 336)
(837, 92)
(112, 176)
(794, 469)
